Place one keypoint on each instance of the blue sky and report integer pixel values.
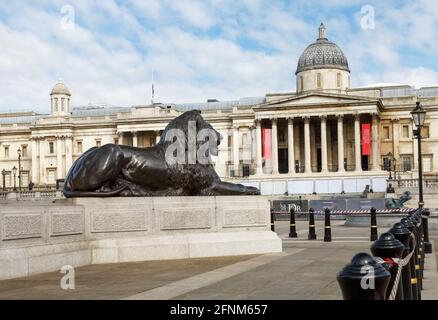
(223, 49)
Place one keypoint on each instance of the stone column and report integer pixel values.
(396, 138)
(35, 162)
(290, 145)
(134, 138)
(274, 147)
(157, 136)
(42, 161)
(121, 142)
(236, 150)
(68, 152)
(59, 173)
(375, 143)
(307, 161)
(324, 166)
(253, 145)
(357, 151)
(259, 160)
(341, 143)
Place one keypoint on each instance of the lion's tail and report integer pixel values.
(89, 194)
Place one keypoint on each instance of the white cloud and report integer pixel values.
(110, 54)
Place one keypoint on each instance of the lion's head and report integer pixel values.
(188, 130)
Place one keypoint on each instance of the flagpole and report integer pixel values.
(153, 89)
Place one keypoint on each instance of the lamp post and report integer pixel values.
(390, 158)
(418, 115)
(4, 179)
(19, 168)
(14, 171)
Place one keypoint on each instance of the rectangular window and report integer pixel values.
(387, 164)
(6, 152)
(98, 143)
(318, 81)
(79, 147)
(425, 132)
(51, 148)
(244, 138)
(24, 151)
(427, 163)
(405, 131)
(406, 164)
(51, 176)
(8, 179)
(229, 141)
(385, 133)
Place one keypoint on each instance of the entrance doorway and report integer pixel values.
(318, 160)
(283, 166)
(365, 163)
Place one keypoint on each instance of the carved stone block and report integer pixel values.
(22, 226)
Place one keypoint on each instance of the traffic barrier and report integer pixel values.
(293, 229)
(312, 234)
(373, 226)
(327, 226)
(401, 252)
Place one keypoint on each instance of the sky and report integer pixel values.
(107, 50)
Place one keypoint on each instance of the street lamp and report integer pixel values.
(19, 168)
(14, 171)
(419, 115)
(390, 158)
(4, 179)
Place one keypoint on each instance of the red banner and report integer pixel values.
(266, 143)
(366, 139)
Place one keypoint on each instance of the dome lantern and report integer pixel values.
(60, 99)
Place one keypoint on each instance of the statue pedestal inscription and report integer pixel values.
(82, 231)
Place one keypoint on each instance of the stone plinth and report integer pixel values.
(37, 238)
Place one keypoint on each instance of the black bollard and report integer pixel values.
(272, 220)
(414, 218)
(427, 244)
(414, 281)
(327, 226)
(293, 229)
(387, 247)
(402, 234)
(373, 226)
(363, 279)
(312, 234)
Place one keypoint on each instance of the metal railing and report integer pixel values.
(394, 271)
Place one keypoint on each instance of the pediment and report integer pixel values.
(318, 99)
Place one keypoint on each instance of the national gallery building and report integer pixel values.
(326, 137)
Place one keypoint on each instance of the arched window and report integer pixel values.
(318, 80)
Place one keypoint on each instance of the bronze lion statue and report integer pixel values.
(119, 170)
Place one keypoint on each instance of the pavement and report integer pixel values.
(304, 270)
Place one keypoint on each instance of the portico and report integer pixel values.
(317, 139)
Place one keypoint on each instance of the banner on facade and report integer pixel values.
(366, 139)
(266, 143)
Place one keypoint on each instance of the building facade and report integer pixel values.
(326, 137)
